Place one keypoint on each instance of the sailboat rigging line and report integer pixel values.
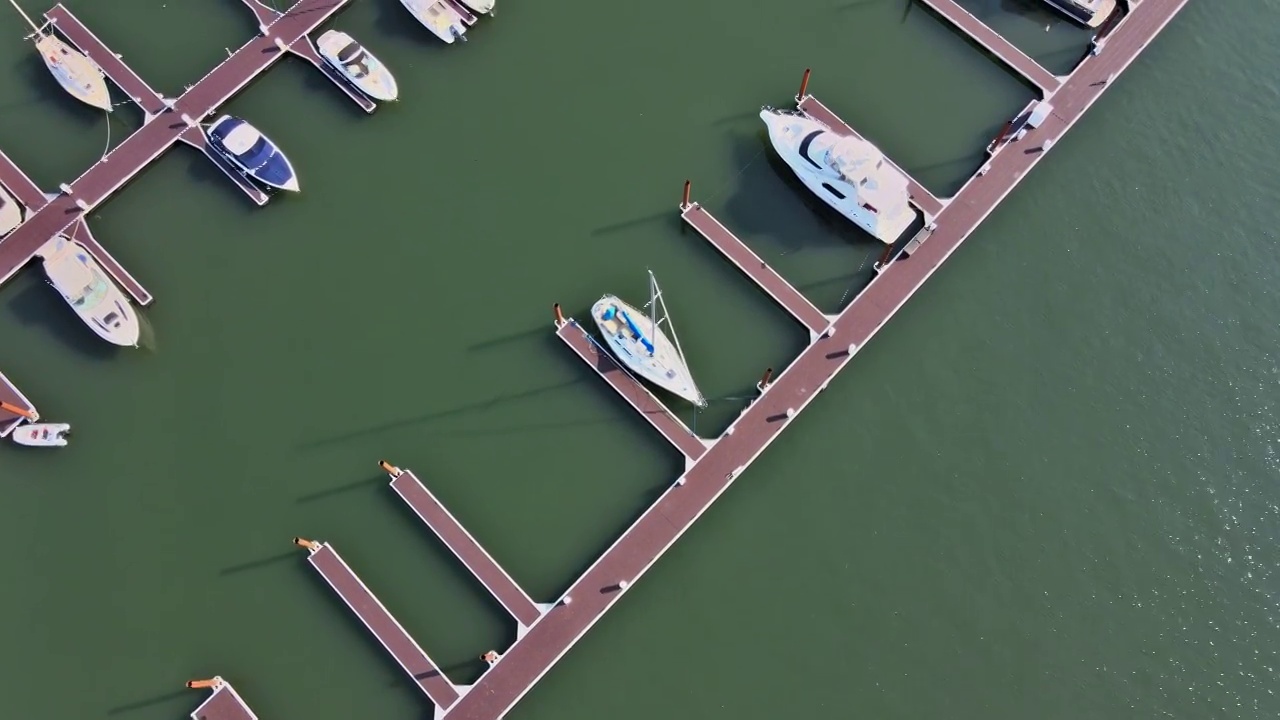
(716, 195)
(855, 280)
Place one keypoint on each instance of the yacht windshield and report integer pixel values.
(92, 294)
(257, 155)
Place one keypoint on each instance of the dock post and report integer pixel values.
(302, 542)
(684, 202)
(281, 44)
(390, 469)
(22, 412)
(804, 85)
(560, 322)
(764, 380)
(201, 684)
(881, 264)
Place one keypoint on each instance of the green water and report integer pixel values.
(1048, 489)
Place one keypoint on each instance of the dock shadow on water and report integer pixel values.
(39, 304)
(169, 697)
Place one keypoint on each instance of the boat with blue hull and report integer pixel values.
(251, 151)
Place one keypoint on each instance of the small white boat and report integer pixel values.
(86, 288)
(42, 434)
(639, 343)
(439, 18)
(357, 65)
(10, 213)
(75, 72)
(481, 6)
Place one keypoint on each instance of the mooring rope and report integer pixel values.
(107, 149)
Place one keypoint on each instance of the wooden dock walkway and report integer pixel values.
(11, 395)
(1003, 50)
(746, 260)
(632, 390)
(24, 190)
(224, 704)
(425, 672)
(924, 200)
(465, 547)
(589, 597)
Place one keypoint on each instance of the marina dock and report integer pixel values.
(641, 399)
(589, 597)
(11, 395)
(375, 616)
(464, 547)
(746, 260)
(224, 704)
(991, 41)
(178, 120)
(25, 192)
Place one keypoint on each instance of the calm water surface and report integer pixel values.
(1049, 488)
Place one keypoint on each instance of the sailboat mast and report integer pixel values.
(15, 5)
(653, 312)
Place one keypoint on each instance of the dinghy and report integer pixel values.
(42, 435)
(75, 72)
(480, 6)
(10, 213)
(638, 341)
(357, 65)
(439, 18)
(252, 152)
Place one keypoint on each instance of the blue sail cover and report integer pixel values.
(643, 340)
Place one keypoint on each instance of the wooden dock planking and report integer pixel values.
(503, 685)
(25, 192)
(636, 394)
(10, 394)
(768, 279)
(466, 548)
(920, 195)
(388, 631)
(994, 43)
(224, 704)
(121, 74)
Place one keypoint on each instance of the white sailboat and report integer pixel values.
(638, 341)
(10, 213)
(75, 72)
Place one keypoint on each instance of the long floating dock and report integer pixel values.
(586, 601)
(224, 704)
(375, 616)
(994, 43)
(636, 394)
(746, 260)
(465, 547)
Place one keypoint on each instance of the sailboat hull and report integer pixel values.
(644, 349)
(77, 74)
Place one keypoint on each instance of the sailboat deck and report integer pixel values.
(111, 64)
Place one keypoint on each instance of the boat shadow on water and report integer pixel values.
(39, 305)
(45, 90)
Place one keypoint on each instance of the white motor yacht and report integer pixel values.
(1090, 13)
(439, 17)
(848, 173)
(85, 286)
